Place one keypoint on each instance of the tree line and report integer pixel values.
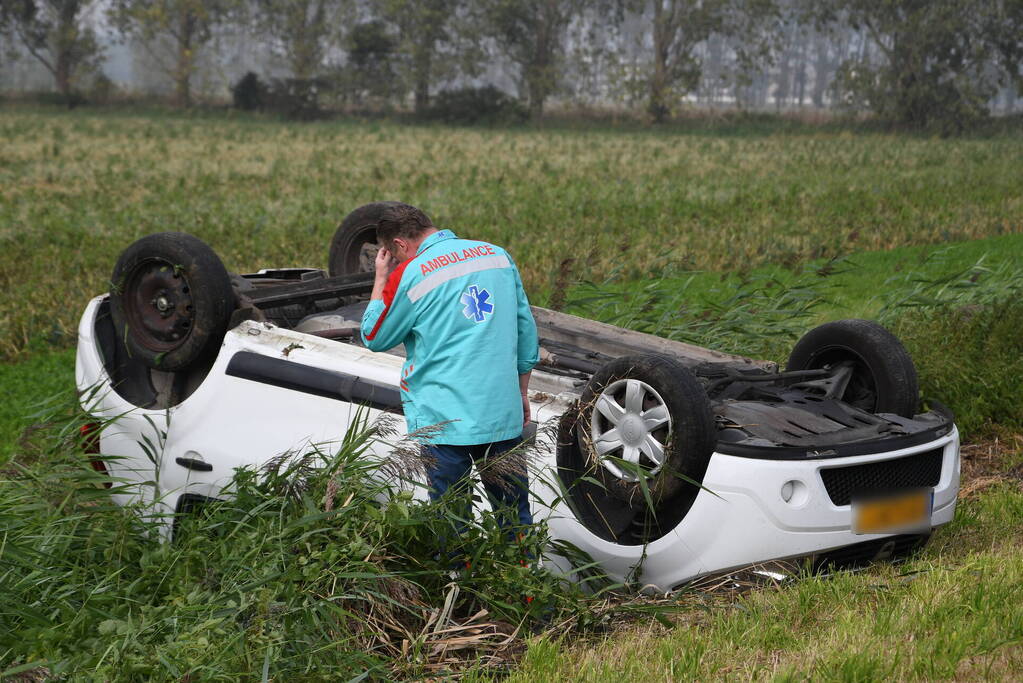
(915, 62)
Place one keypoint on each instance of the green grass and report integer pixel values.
(754, 209)
(971, 359)
(952, 612)
(956, 307)
(861, 284)
(77, 187)
(26, 388)
(303, 574)
(859, 288)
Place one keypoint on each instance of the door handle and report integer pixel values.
(193, 464)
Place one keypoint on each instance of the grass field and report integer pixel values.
(76, 188)
(44, 370)
(860, 284)
(952, 613)
(738, 227)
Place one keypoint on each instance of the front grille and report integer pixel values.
(920, 470)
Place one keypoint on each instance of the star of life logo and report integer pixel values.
(477, 307)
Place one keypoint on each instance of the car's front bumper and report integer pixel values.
(742, 517)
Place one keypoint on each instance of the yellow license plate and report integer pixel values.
(900, 513)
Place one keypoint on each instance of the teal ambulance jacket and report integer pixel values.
(459, 307)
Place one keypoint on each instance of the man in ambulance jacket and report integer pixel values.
(459, 308)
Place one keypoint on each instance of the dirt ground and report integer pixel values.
(989, 461)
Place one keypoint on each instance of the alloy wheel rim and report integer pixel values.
(630, 423)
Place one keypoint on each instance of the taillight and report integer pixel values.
(89, 433)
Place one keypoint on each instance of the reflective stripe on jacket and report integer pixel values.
(459, 308)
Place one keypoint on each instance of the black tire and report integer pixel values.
(688, 439)
(355, 239)
(884, 378)
(170, 300)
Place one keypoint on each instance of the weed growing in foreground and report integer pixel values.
(316, 568)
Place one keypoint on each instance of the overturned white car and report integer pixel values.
(676, 460)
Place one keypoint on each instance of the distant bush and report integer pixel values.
(477, 105)
(56, 99)
(293, 98)
(296, 98)
(249, 93)
(370, 78)
(103, 90)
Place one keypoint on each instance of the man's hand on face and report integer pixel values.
(385, 264)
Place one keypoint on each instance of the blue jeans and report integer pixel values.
(509, 495)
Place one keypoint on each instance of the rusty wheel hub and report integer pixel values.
(159, 305)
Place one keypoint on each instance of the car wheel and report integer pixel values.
(170, 300)
(354, 246)
(646, 422)
(883, 378)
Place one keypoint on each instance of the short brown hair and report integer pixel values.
(401, 220)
